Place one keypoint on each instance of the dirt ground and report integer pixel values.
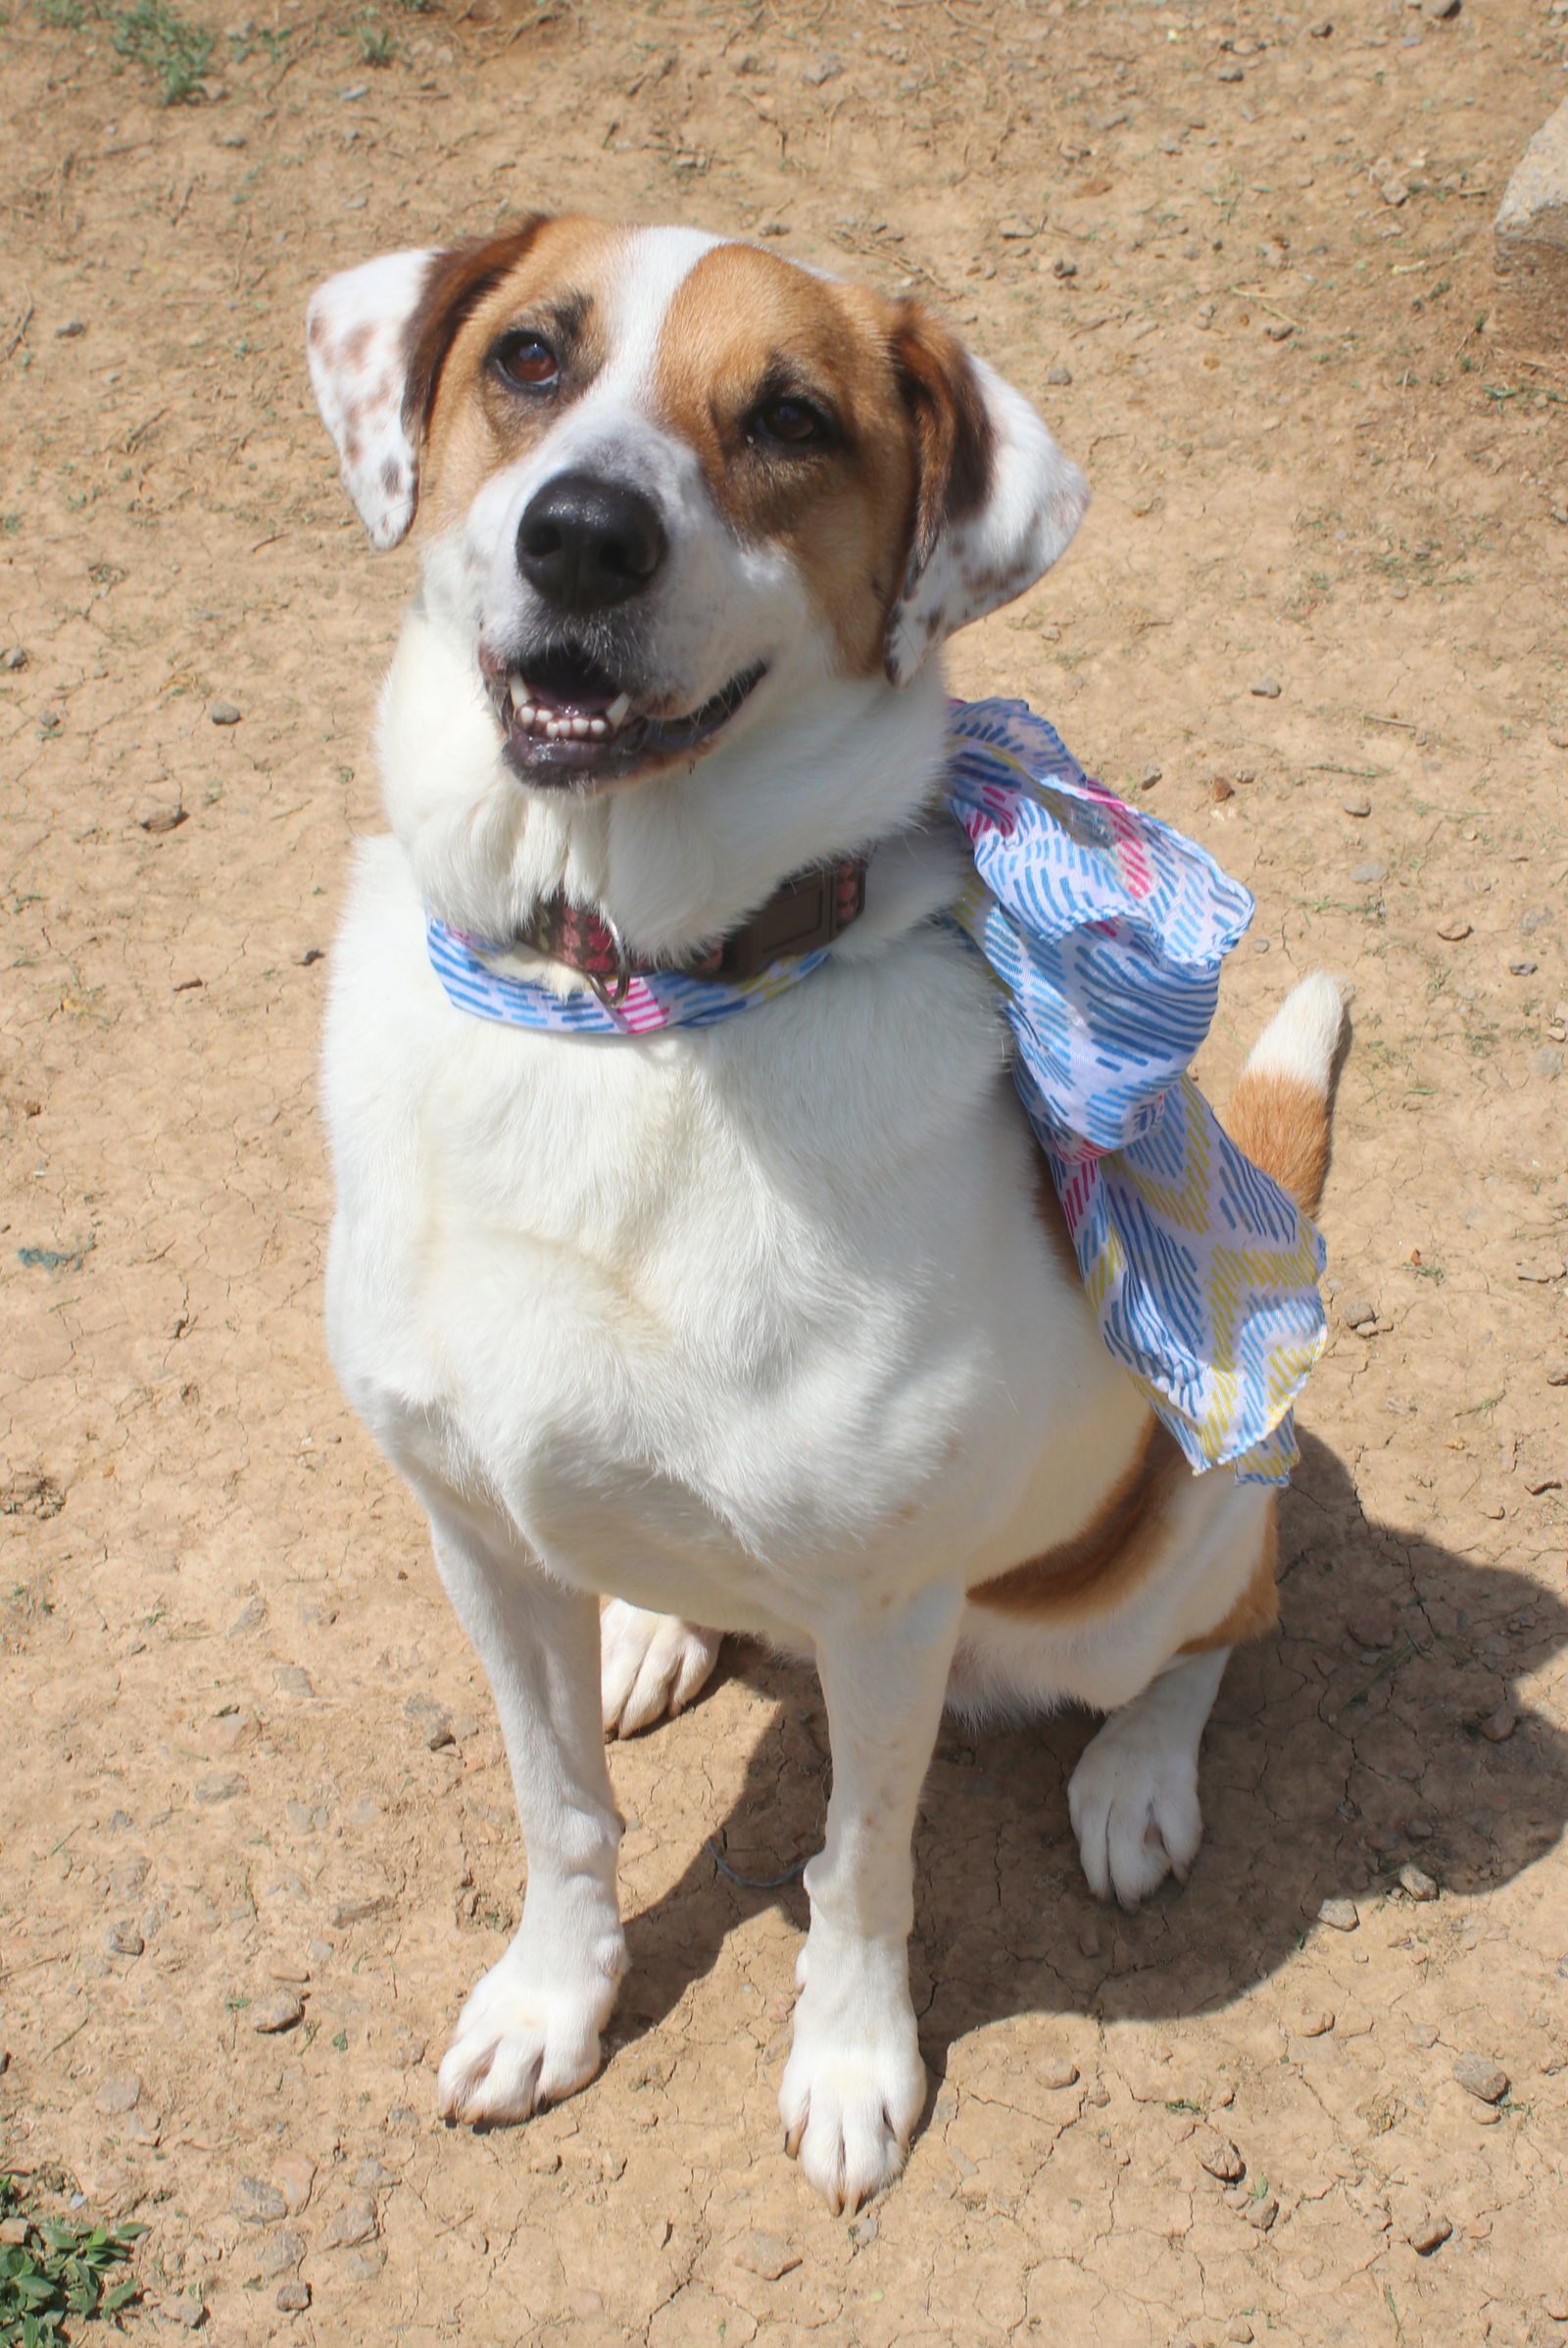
(1243, 264)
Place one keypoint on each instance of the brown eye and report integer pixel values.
(790, 424)
(525, 362)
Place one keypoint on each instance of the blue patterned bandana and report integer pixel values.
(1105, 931)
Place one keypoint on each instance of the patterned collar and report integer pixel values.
(1105, 931)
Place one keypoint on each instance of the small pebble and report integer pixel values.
(1549, 1267)
(1221, 789)
(1524, 969)
(360, 89)
(124, 1941)
(1357, 804)
(1278, 329)
(292, 2297)
(1454, 929)
(1500, 1726)
(223, 712)
(1315, 2026)
(1357, 1310)
(283, 2253)
(1369, 873)
(763, 2254)
(823, 69)
(190, 2312)
(1416, 1882)
(1055, 2071)
(1230, 73)
(1557, 1373)
(12, 657)
(71, 329)
(1442, 11)
(279, 2012)
(1266, 688)
(1058, 374)
(1426, 2232)
(1481, 2078)
(1151, 776)
(258, 2202)
(1555, 2305)
(164, 819)
(354, 2223)
(1341, 1914)
(1321, 30)
(295, 2175)
(121, 2093)
(1016, 228)
(1219, 2155)
(1262, 2214)
(290, 1679)
(355, 1911)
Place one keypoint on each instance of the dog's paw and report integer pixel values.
(650, 1664)
(1133, 1801)
(526, 2037)
(854, 2085)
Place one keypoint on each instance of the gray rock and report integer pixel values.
(355, 1910)
(826, 67)
(354, 2223)
(1262, 2213)
(1059, 376)
(1341, 1914)
(1371, 871)
(291, 1678)
(283, 2253)
(223, 1786)
(1056, 2071)
(1416, 1882)
(12, 657)
(1219, 2155)
(279, 2012)
(223, 712)
(186, 2312)
(1267, 688)
(257, 2202)
(1356, 1311)
(124, 1941)
(292, 2298)
(1357, 803)
(1426, 2232)
(1481, 2078)
(1530, 238)
(763, 2254)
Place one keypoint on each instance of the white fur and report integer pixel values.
(354, 343)
(1303, 1034)
(751, 1326)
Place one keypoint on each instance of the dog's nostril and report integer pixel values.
(585, 544)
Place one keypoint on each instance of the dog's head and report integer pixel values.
(666, 482)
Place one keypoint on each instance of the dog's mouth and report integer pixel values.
(569, 723)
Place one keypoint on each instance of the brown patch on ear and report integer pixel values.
(950, 429)
(1256, 1611)
(457, 281)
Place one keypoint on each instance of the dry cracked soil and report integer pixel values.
(1242, 260)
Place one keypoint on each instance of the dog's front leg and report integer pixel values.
(854, 2084)
(529, 2032)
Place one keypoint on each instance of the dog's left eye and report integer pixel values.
(525, 362)
(790, 423)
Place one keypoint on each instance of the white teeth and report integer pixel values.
(519, 688)
(598, 728)
(525, 713)
(582, 727)
(616, 714)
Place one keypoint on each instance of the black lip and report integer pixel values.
(641, 746)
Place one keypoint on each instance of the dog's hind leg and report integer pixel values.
(650, 1664)
(529, 2032)
(1133, 1798)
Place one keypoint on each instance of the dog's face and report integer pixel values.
(668, 483)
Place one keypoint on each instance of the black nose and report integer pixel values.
(587, 544)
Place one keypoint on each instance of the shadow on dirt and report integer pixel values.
(1329, 1762)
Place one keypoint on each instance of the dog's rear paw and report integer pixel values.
(1134, 1807)
(650, 1664)
(522, 2042)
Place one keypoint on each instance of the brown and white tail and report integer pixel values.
(1281, 1111)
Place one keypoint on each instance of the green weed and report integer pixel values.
(59, 2270)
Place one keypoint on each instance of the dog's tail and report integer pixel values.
(1282, 1110)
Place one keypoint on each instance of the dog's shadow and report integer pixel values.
(1346, 1745)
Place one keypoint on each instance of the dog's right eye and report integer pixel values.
(525, 362)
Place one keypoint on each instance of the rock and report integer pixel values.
(1557, 1373)
(292, 2297)
(278, 2012)
(221, 1787)
(355, 1910)
(1356, 803)
(1548, 1062)
(1219, 2155)
(290, 1679)
(1341, 1914)
(1278, 329)
(1454, 929)
(1545, 1268)
(1149, 778)
(1221, 789)
(1530, 240)
(1555, 2305)
(1058, 375)
(1262, 2213)
(123, 2093)
(1442, 12)
(283, 2253)
(1016, 230)
(1267, 688)
(124, 1941)
(354, 2223)
(1523, 969)
(826, 67)
(188, 2312)
(439, 1735)
(259, 2204)
(1498, 1726)
(1367, 875)
(1056, 2071)
(1230, 73)
(1356, 1311)
(164, 819)
(1316, 2024)
(1416, 1882)
(14, 657)
(71, 329)
(763, 2254)
(223, 712)
(1481, 2078)
(1425, 2230)
(1321, 30)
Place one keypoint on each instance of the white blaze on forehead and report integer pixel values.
(356, 325)
(652, 264)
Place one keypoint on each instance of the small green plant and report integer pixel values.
(57, 2272)
(377, 45)
(165, 44)
(60, 16)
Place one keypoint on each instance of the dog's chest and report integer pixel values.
(706, 1314)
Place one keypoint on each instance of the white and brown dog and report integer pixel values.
(769, 1326)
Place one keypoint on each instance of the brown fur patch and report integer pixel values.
(1256, 1611)
(1101, 1564)
(473, 426)
(1281, 1122)
(744, 326)
(952, 436)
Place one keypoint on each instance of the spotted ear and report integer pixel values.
(376, 338)
(996, 501)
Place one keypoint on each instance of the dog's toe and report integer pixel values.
(650, 1664)
(521, 2042)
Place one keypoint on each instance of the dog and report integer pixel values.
(768, 1326)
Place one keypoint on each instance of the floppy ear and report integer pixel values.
(376, 338)
(996, 501)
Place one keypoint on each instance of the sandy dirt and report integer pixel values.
(1245, 267)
